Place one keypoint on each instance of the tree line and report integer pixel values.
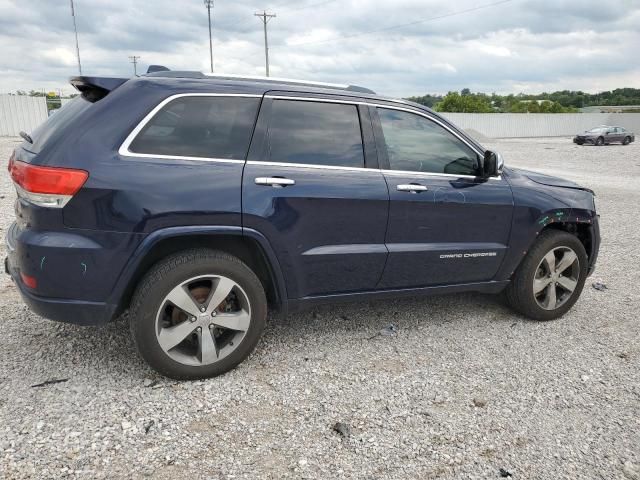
(565, 101)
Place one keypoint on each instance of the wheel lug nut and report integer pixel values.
(199, 329)
(202, 309)
(214, 313)
(193, 319)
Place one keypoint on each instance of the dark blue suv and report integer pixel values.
(198, 202)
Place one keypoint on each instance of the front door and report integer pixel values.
(309, 190)
(446, 225)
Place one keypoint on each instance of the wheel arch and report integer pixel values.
(248, 245)
(583, 223)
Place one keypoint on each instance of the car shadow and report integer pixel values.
(96, 353)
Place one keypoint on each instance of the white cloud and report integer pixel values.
(445, 67)
(524, 45)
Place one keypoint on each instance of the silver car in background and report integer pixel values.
(605, 135)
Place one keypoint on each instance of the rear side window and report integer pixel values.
(57, 123)
(315, 133)
(208, 127)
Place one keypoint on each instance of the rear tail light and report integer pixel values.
(51, 187)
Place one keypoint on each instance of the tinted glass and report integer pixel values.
(57, 123)
(315, 133)
(214, 127)
(417, 144)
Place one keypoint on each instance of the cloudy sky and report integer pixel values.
(396, 47)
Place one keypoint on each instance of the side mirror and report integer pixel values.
(492, 165)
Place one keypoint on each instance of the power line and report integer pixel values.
(265, 19)
(401, 25)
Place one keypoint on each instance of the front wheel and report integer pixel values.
(600, 141)
(551, 277)
(197, 314)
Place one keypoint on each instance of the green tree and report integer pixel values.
(472, 103)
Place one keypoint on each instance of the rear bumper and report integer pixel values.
(74, 270)
(61, 310)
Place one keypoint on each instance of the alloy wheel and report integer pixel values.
(203, 319)
(556, 278)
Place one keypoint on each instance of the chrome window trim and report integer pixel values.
(392, 107)
(124, 148)
(314, 165)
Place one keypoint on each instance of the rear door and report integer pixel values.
(312, 186)
(446, 225)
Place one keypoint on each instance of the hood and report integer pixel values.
(543, 179)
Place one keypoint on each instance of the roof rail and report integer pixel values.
(230, 76)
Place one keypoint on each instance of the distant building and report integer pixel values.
(611, 109)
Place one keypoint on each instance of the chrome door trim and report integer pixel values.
(308, 165)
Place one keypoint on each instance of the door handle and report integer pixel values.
(412, 188)
(274, 181)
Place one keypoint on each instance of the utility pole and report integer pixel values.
(209, 5)
(75, 29)
(265, 19)
(134, 60)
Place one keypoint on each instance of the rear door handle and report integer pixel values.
(412, 188)
(274, 181)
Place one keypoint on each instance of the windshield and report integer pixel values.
(597, 130)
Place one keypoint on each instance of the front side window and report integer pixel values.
(315, 133)
(209, 127)
(416, 144)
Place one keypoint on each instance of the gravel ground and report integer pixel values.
(465, 388)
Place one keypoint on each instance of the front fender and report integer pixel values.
(537, 207)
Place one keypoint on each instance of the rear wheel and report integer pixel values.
(197, 314)
(600, 141)
(626, 141)
(551, 277)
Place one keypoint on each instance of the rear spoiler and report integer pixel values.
(95, 88)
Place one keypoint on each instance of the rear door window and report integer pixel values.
(201, 127)
(315, 133)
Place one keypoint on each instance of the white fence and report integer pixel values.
(507, 125)
(26, 113)
(19, 112)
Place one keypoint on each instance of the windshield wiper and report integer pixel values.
(26, 136)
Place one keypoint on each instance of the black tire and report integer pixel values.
(520, 294)
(626, 141)
(166, 275)
(580, 142)
(599, 142)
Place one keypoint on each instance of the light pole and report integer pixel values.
(209, 5)
(75, 29)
